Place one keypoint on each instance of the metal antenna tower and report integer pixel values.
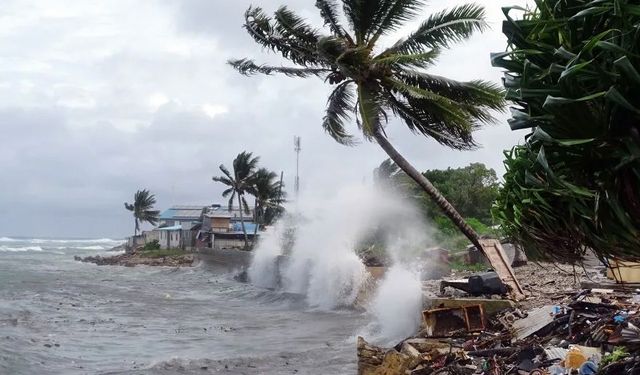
(297, 148)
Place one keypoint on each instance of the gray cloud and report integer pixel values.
(98, 101)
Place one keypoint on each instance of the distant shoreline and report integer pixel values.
(156, 258)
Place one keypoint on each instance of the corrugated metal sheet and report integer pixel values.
(535, 321)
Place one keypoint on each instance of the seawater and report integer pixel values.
(59, 316)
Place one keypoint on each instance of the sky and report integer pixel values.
(101, 98)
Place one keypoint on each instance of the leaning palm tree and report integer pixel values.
(372, 83)
(269, 194)
(142, 208)
(244, 166)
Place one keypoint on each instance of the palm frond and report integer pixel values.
(339, 104)
(408, 60)
(364, 16)
(442, 29)
(227, 192)
(245, 206)
(431, 123)
(290, 26)
(477, 92)
(370, 109)
(248, 67)
(399, 11)
(226, 173)
(268, 33)
(223, 180)
(329, 13)
(230, 202)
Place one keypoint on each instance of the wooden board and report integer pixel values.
(492, 249)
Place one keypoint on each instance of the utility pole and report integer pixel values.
(297, 148)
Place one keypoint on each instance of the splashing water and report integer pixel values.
(396, 306)
(322, 263)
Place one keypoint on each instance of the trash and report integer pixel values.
(588, 368)
(452, 321)
(536, 320)
(583, 332)
(575, 358)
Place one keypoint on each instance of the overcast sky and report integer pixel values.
(101, 98)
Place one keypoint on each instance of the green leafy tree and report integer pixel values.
(372, 82)
(472, 190)
(142, 209)
(244, 168)
(573, 75)
(269, 194)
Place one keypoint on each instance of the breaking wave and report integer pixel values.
(94, 247)
(18, 249)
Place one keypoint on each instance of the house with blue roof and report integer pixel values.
(194, 226)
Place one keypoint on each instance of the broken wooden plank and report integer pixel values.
(495, 254)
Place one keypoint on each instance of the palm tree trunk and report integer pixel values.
(428, 187)
(256, 222)
(246, 239)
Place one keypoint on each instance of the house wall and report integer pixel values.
(227, 243)
(151, 235)
(220, 224)
(170, 239)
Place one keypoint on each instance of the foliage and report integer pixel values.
(142, 208)
(269, 194)
(573, 76)
(449, 238)
(244, 166)
(619, 352)
(371, 82)
(471, 189)
(370, 85)
(152, 245)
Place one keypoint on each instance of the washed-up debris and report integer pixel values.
(588, 332)
(449, 321)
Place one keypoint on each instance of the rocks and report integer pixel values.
(135, 259)
(375, 361)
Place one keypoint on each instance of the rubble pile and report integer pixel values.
(592, 331)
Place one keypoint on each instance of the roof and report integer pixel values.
(182, 213)
(217, 214)
(175, 227)
(223, 211)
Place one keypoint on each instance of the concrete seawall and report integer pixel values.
(225, 260)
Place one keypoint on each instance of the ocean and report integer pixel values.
(60, 316)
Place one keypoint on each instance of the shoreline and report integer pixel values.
(146, 258)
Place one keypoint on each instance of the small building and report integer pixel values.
(185, 216)
(222, 228)
(170, 237)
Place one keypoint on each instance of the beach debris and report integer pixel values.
(498, 259)
(451, 321)
(585, 332)
(486, 283)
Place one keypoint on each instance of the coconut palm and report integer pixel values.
(244, 166)
(372, 83)
(142, 208)
(269, 194)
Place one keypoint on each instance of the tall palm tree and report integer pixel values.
(244, 166)
(142, 208)
(372, 82)
(269, 194)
